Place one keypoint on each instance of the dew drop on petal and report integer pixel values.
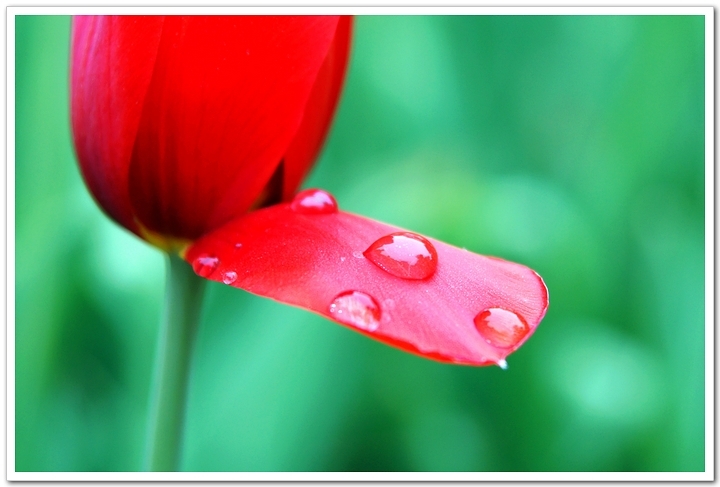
(357, 309)
(502, 364)
(205, 265)
(357, 255)
(315, 202)
(229, 277)
(404, 254)
(501, 328)
(238, 245)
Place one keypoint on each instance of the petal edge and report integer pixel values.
(309, 260)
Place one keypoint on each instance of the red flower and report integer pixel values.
(183, 125)
(181, 122)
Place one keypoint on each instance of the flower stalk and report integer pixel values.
(168, 393)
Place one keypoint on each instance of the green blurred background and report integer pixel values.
(573, 145)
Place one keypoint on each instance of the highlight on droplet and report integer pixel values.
(404, 254)
(314, 202)
(205, 265)
(501, 328)
(229, 277)
(357, 309)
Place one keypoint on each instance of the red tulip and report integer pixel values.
(180, 123)
(195, 133)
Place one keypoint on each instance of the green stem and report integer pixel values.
(183, 300)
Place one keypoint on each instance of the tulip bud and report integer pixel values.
(182, 123)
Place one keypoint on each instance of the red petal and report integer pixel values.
(112, 62)
(319, 112)
(226, 98)
(311, 260)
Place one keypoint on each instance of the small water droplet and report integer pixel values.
(238, 245)
(357, 309)
(357, 255)
(315, 202)
(404, 254)
(502, 364)
(205, 265)
(501, 328)
(229, 277)
(342, 259)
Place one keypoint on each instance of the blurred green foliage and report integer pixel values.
(574, 145)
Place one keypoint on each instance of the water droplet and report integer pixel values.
(501, 328)
(238, 245)
(357, 255)
(314, 201)
(357, 309)
(342, 259)
(404, 254)
(229, 277)
(205, 265)
(502, 364)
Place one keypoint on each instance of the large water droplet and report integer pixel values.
(501, 328)
(357, 309)
(205, 265)
(404, 254)
(314, 201)
(229, 277)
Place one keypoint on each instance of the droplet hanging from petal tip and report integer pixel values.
(502, 364)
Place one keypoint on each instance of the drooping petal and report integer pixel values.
(112, 61)
(464, 308)
(320, 109)
(226, 97)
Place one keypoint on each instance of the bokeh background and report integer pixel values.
(573, 145)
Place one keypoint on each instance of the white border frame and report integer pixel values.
(708, 474)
